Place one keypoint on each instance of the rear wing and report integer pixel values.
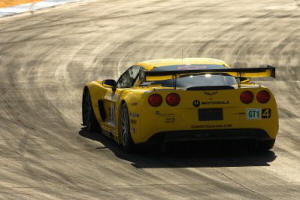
(268, 71)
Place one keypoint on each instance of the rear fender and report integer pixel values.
(134, 101)
(97, 91)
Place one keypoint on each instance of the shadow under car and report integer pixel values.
(188, 154)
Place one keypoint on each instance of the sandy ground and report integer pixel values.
(47, 56)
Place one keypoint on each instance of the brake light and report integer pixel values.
(263, 96)
(155, 100)
(246, 97)
(173, 99)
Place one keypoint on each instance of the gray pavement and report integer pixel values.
(47, 56)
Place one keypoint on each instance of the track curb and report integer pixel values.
(29, 7)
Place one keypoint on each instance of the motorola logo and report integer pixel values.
(196, 103)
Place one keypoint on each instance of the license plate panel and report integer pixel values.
(209, 114)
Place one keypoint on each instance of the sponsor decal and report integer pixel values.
(133, 130)
(211, 93)
(112, 114)
(214, 102)
(192, 67)
(257, 113)
(135, 115)
(133, 121)
(196, 103)
(213, 126)
(253, 113)
(134, 103)
(240, 113)
(169, 117)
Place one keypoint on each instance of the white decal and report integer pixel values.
(112, 113)
(253, 113)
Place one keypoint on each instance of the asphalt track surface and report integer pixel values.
(47, 56)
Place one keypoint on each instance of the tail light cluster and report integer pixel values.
(172, 99)
(262, 96)
(155, 100)
(246, 97)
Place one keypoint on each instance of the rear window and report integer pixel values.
(196, 80)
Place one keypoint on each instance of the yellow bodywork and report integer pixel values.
(147, 121)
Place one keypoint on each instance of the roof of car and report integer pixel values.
(150, 64)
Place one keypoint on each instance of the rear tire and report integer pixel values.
(88, 117)
(126, 140)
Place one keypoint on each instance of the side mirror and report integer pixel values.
(110, 82)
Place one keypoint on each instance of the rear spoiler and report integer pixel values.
(268, 71)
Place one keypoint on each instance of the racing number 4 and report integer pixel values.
(266, 113)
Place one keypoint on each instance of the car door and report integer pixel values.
(126, 81)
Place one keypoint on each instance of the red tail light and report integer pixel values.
(263, 96)
(155, 100)
(246, 97)
(173, 99)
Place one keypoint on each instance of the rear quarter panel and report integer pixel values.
(135, 101)
(97, 91)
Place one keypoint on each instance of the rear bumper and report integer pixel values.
(202, 135)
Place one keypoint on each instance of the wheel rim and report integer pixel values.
(124, 127)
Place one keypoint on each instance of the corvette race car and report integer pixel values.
(173, 100)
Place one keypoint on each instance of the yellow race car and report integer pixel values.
(171, 100)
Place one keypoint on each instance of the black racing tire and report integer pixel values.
(89, 120)
(126, 139)
(266, 145)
